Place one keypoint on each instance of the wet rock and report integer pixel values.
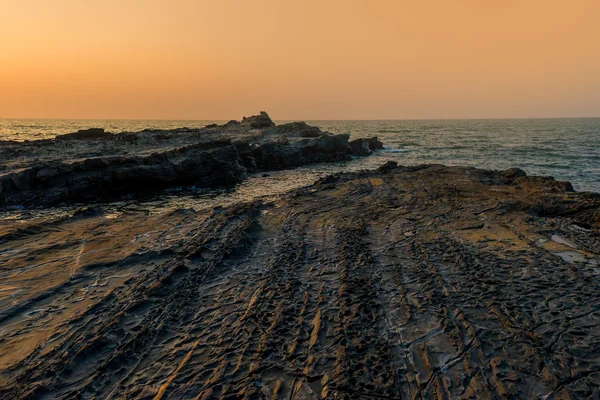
(365, 147)
(375, 143)
(388, 167)
(360, 147)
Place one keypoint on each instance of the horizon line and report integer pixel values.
(297, 119)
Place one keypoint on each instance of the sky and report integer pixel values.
(309, 59)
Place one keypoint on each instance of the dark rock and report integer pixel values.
(360, 147)
(99, 170)
(510, 175)
(284, 153)
(105, 178)
(365, 147)
(92, 133)
(387, 167)
(89, 212)
(298, 129)
(258, 121)
(231, 123)
(375, 143)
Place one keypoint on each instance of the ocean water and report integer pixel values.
(568, 149)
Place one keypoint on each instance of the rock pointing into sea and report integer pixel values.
(92, 165)
(91, 133)
(261, 120)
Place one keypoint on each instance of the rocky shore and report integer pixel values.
(92, 165)
(426, 282)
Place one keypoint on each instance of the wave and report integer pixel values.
(390, 150)
(406, 144)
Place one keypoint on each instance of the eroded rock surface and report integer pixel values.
(426, 282)
(93, 165)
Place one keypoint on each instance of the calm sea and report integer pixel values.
(568, 149)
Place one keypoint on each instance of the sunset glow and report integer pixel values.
(335, 59)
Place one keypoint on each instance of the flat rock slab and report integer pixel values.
(426, 282)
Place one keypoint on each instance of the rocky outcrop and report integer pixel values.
(387, 167)
(298, 129)
(365, 147)
(101, 170)
(91, 133)
(259, 121)
(425, 282)
(274, 155)
(104, 178)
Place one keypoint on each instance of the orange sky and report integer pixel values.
(309, 59)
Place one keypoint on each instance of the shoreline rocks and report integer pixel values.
(83, 134)
(429, 282)
(94, 166)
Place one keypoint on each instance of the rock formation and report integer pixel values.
(91, 133)
(92, 165)
(424, 282)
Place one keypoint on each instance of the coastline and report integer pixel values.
(404, 281)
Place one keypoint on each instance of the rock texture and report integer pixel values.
(429, 282)
(92, 165)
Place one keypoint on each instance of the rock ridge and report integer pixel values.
(93, 165)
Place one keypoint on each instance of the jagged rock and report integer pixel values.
(258, 121)
(231, 123)
(101, 170)
(299, 129)
(92, 133)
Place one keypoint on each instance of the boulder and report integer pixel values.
(388, 167)
(375, 143)
(360, 147)
(365, 147)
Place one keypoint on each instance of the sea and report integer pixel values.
(567, 149)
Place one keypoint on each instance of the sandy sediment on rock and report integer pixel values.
(422, 282)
